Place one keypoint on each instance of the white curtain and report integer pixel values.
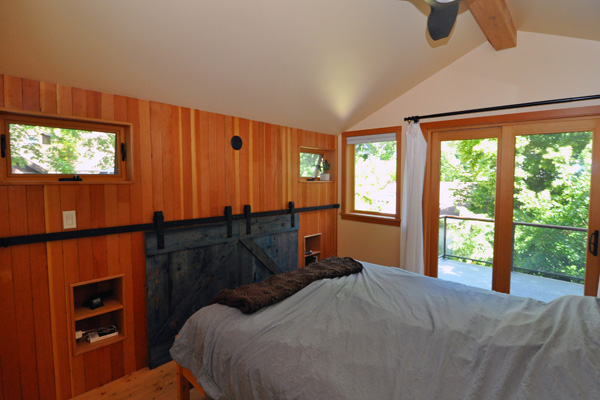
(411, 225)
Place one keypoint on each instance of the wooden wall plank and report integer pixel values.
(40, 293)
(9, 352)
(105, 365)
(64, 100)
(48, 98)
(28, 363)
(145, 154)
(167, 161)
(156, 157)
(13, 93)
(90, 362)
(58, 293)
(83, 210)
(228, 166)
(128, 349)
(260, 153)
(93, 103)
(213, 166)
(244, 162)
(177, 150)
(31, 95)
(99, 267)
(79, 99)
(1, 90)
(111, 218)
(187, 153)
(203, 164)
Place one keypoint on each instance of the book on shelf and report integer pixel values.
(95, 337)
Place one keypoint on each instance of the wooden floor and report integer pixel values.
(145, 384)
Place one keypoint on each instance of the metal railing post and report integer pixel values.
(445, 220)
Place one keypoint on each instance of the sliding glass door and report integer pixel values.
(467, 204)
(513, 206)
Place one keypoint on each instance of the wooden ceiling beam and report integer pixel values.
(495, 21)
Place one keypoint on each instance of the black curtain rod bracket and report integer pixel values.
(248, 216)
(159, 220)
(229, 219)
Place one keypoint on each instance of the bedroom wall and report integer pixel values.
(541, 67)
(184, 166)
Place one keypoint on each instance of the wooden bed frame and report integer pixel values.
(185, 382)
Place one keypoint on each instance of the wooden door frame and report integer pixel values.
(431, 193)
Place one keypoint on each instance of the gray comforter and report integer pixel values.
(389, 334)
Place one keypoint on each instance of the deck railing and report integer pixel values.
(566, 277)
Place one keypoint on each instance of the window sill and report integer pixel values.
(373, 219)
(304, 180)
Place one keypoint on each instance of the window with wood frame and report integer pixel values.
(35, 148)
(371, 167)
(315, 163)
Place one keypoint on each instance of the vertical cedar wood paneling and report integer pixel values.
(183, 165)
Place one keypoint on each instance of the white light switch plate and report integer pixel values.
(69, 220)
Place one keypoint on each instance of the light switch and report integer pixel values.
(69, 220)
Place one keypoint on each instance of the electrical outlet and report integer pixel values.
(69, 220)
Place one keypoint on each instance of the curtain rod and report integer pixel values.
(505, 107)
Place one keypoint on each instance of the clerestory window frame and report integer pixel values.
(123, 158)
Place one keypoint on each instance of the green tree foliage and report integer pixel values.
(374, 171)
(59, 150)
(552, 183)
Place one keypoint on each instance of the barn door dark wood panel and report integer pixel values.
(197, 262)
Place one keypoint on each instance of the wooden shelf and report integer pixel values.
(110, 304)
(81, 346)
(82, 318)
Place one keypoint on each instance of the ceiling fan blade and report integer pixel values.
(441, 20)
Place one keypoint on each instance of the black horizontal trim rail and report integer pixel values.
(159, 225)
(504, 107)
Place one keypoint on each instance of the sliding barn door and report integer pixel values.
(198, 262)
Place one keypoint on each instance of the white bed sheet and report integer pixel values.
(390, 334)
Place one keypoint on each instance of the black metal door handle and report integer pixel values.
(593, 243)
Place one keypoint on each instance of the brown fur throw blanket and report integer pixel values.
(253, 297)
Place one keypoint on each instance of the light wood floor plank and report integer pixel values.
(145, 384)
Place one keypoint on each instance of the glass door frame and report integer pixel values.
(509, 126)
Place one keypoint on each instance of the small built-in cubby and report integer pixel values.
(312, 248)
(96, 304)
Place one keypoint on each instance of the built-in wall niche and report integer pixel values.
(312, 248)
(96, 304)
(316, 165)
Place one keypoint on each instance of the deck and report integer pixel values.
(524, 285)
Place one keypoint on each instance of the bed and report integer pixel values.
(386, 333)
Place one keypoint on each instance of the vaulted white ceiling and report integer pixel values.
(320, 65)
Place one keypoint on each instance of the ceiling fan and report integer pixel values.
(441, 18)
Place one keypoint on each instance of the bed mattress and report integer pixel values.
(386, 333)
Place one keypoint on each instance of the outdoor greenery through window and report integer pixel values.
(375, 177)
(371, 174)
(310, 163)
(45, 147)
(551, 200)
(39, 149)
